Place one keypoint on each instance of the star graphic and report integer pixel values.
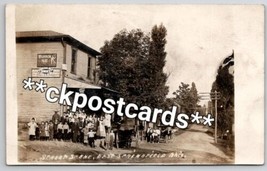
(28, 84)
(208, 120)
(196, 118)
(40, 86)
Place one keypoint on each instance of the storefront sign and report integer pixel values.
(47, 60)
(46, 72)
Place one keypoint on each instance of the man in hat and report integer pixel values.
(55, 117)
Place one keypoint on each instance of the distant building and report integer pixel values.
(55, 58)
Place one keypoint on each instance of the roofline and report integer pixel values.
(82, 81)
(105, 88)
(67, 38)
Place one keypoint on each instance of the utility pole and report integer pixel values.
(216, 114)
(212, 96)
(215, 96)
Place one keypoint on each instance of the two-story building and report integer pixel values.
(55, 58)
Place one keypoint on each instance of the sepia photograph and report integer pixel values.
(130, 84)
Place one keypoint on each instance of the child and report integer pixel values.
(155, 136)
(42, 131)
(169, 132)
(91, 138)
(32, 128)
(37, 132)
(46, 131)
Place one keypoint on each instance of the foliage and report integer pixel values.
(153, 70)
(132, 63)
(187, 97)
(224, 84)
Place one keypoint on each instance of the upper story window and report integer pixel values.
(89, 69)
(73, 61)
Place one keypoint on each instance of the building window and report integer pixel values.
(89, 68)
(73, 61)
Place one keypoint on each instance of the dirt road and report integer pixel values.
(196, 145)
(196, 138)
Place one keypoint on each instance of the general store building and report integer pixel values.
(56, 58)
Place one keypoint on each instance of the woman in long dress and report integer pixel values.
(32, 129)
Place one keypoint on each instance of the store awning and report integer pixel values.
(75, 83)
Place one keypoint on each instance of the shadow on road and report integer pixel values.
(221, 145)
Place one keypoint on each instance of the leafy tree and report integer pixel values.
(119, 68)
(224, 84)
(194, 96)
(153, 69)
(132, 63)
(187, 97)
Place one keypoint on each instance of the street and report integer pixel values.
(197, 145)
(194, 143)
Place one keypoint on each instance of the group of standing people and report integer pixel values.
(75, 127)
(83, 128)
(154, 135)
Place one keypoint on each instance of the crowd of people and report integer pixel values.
(154, 135)
(78, 127)
(83, 128)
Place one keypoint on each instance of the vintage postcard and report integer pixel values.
(134, 84)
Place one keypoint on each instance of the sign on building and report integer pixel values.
(47, 60)
(46, 72)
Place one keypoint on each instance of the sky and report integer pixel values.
(198, 37)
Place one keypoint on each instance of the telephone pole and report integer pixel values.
(215, 96)
(212, 96)
(216, 114)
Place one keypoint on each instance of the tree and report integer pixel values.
(194, 96)
(224, 84)
(119, 64)
(187, 97)
(132, 63)
(153, 69)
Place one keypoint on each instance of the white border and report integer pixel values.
(105, 1)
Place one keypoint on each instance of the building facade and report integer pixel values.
(55, 58)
